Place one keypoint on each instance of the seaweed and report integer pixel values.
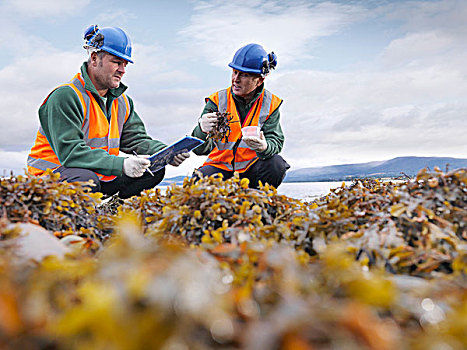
(213, 264)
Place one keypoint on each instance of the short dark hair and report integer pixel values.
(99, 54)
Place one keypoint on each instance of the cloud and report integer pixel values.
(12, 162)
(411, 101)
(157, 68)
(24, 86)
(360, 116)
(45, 8)
(16, 42)
(219, 28)
(415, 48)
(419, 16)
(114, 15)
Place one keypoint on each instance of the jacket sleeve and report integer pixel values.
(134, 136)
(208, 146)
(273, 134)
(61, 118)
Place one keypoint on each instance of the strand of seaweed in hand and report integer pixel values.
(221, 130)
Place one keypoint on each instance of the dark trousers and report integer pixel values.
(271, 171)
(125, 185)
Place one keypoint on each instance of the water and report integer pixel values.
(302, 190)
(307, 190)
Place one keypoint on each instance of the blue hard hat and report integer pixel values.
(252, 58)
(110, 39)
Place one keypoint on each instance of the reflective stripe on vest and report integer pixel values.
(97, 130)
(223, 153)
(41, 164)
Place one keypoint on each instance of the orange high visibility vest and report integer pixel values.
(98, 132)
(234, 154)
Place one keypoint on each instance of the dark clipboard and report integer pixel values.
(160, 159)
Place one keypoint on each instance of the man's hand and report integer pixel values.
(179, 158)
(208, 121)
(257, 144)
(135, 166)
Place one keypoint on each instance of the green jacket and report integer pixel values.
(272, 128)
(61, 118)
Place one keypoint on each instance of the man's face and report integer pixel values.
(243, 84)
(109, 72)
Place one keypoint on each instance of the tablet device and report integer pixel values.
(165, 156)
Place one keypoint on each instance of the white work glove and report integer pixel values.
(257, 144)
(135, 166)
(179, 158)
(208, 121)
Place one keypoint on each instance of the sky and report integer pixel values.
(361, 80)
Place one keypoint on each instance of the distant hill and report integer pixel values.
(388, 168)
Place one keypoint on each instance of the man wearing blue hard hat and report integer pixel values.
(252, 145)
(86, 122)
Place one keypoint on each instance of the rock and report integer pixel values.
(36, 243)
(73, 241)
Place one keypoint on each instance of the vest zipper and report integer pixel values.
(235, 152)
(240, 139)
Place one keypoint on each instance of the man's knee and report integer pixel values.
(79, 175)
(130, 186)
(272, 170)
(279, 165)
(145, 182)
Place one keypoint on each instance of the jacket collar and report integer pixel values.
(88, 85)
